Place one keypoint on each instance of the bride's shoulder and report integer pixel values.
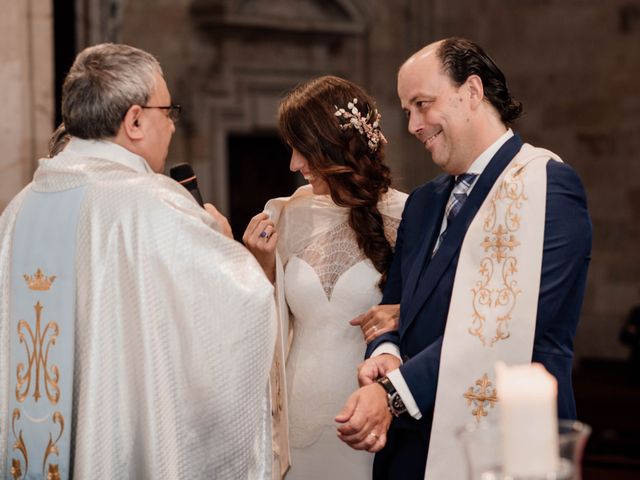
(392, 203)
(305, 202)
(281, 206)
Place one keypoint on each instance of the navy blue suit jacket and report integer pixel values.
(423, 284)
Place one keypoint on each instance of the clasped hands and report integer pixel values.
(365, 418)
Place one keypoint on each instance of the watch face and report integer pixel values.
(397, 405)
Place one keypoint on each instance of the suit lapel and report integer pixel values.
(436, 203)
(436, 266)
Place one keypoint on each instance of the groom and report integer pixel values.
(490, 264)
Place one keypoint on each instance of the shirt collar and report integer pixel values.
(480, 163)
(108, 150)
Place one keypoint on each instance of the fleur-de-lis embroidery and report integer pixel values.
(54, 473)
(52, 447)
(16, 465)
(16, 468)
(482, 396)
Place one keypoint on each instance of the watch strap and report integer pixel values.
(385, 383)
(394, 400)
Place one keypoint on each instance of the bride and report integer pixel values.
(334, 241)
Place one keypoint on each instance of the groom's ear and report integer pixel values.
(475, 90)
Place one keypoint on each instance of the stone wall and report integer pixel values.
(26, 91)
(572, 62)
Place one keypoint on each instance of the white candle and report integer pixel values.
(528, 420)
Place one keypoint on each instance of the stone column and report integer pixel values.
(26, 91)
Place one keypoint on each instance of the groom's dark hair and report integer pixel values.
(462, 58)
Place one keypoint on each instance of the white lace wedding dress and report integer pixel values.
(327, 281)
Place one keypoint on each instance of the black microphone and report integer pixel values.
(184, 175)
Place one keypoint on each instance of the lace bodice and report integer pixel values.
(332, 253)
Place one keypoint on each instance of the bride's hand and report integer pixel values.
(377, 320)
(260, 238)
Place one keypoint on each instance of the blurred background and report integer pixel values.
(573, 63)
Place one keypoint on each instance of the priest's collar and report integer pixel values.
(485, 157)
(109, 151)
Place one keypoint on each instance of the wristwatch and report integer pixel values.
(396, 405)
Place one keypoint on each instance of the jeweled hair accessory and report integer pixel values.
(361, 124)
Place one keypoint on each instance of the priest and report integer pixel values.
(136, 337)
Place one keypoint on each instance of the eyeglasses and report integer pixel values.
(173, 111)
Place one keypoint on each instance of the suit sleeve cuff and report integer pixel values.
(387, 347)
(405, 394)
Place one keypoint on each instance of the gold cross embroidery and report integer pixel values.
(499, 242)
(482, 395)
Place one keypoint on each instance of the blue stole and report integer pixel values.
(42, 320)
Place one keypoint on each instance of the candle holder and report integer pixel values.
(483, 451)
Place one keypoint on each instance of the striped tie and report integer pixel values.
(459, 195)
(456, 200)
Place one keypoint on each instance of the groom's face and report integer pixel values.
(437, 110)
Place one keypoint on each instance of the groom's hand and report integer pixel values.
(365, 419)
(375, 367)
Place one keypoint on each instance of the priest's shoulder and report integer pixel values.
(16, 201)
(147, 193)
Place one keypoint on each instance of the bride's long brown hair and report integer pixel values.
(357, 176)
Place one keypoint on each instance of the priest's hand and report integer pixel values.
(375, 367)
(260, 238)
(220, 219)
(377, 320)
(365, 419)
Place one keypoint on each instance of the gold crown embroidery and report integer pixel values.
(39, 281)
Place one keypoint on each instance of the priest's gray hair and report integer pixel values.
(103, 83)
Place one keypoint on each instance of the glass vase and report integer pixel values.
(482, 447)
